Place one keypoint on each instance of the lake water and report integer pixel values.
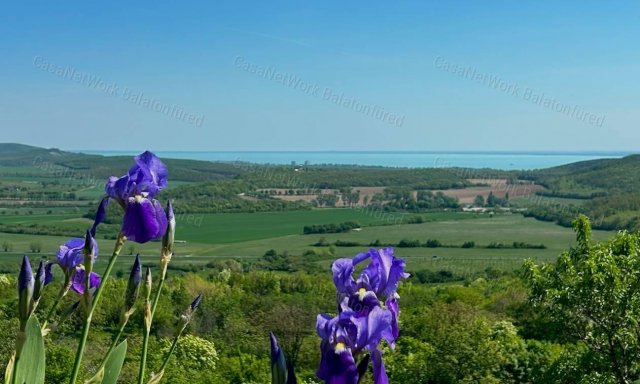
(496, 160)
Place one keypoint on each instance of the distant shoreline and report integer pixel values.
(502, 160)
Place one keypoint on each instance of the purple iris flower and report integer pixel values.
(345, 337)
(367, 313)
(71, 254)
(144, 219)
(378, 281)
(78, 281)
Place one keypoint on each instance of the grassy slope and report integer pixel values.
(56, 164)
(594, 175)
(266, 232)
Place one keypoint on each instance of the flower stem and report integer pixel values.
(143, 358)
(64, 289)
(145, 340)
(87, 322)
(114, 343)
(173, 347)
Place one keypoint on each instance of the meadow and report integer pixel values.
(203, 238)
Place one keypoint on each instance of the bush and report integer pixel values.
(322, 243)
(342, 243)
(520, 244)
(330, 228)
(35, 246)
(469, 244)
(426, 276)
(405, 243)
(375, 243)
(432, 243)
(414, 220)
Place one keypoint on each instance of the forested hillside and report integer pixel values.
(609, 190)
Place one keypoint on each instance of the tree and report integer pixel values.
(491, 200)
(479, 201)
(593, 291)
(35, 246)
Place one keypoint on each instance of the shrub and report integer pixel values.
(469, 244)
(342, 243)
(405, 243)
(330, 228)
(432, 243)
(35, 246)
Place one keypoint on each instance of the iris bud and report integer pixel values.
(186, 317)
(39, 284)
(278, 363)
(147, 303)
(168, 240)
(25, 291)
(88, 247)
(195, 303)
(133, 285)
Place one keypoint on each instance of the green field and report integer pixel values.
(226, 228)
(206, 237)
(528, 201)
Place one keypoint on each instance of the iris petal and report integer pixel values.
(371, 328)
(144, 220)
(100, 215)
(337, 365)
(324, 326)
(148, 175)
(78, 282)
(392, 334)
(379, 372)
(48, 274)
(70, 254)
(342, 270)
(153, 171)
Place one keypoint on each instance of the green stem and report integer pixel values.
(145, 340)
(173, 347)
(156, 298)
(114, 343)
(87, 322)
(143, 358)
(80, 351)
(63, 292)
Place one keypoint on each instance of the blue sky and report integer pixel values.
(238, 75)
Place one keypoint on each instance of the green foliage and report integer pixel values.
(433, 243)
(59, 358)
(193, 353)
(406, 243)
(35, 246)
(403, 199)
(608, 187)
(227, 196)
(30, 363)
(592, 290)
(330, 228)
(111, 371)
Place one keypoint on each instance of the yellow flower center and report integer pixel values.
(340, 347)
